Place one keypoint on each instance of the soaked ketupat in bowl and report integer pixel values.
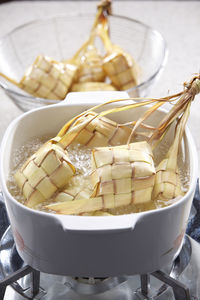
(58, 38)
(135, 243)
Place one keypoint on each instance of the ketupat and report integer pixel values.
(123, 172)
(90, 66)
(121, 175)
(109, 186)
(89, 128)
(121, 68)
(76, 130)
(50, 79)
(92, 130)
(118, 65)
(47, 78)
(50, 169)
(167, 182)
(46, 171)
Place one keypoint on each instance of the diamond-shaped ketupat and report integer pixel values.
(121, 69)
(168, 183)
(92, 130)
(90, 68)
(123, 172)
(44, 173)
(48, 79)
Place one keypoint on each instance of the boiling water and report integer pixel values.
(81, 158)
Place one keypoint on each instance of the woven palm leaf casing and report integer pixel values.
(77, 188)
(93, 131)
(82, 206)
(48, 79)
(71, 194)
(45, 172)
(123, 174)
(121, 69)
(167, 182)
(77, 207)
(74, 195)
(92, 86)
(90, 68)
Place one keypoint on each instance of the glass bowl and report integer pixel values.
(59, 37)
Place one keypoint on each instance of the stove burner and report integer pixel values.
(146, 287)
(93, 286)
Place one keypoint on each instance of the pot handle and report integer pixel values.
(99, 223)
(93, 97)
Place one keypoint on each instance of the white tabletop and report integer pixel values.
(178, 22)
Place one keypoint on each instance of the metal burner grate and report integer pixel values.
(180, 291)
(12, 280)
(13, 268)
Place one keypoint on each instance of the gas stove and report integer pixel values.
(178, 281)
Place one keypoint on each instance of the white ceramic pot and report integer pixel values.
(83, 245)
